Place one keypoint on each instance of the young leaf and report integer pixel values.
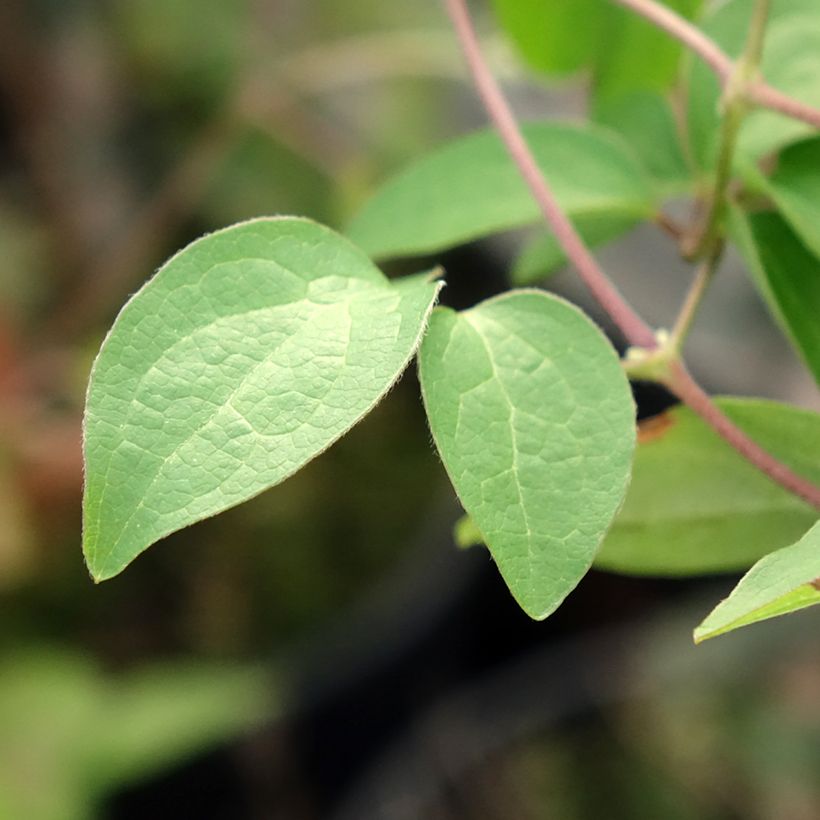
(544, 255)
(695, 506)
(783, 582)
(534, 421)
(788, 276)
(248, 354)
(471, 188)
(791, 62)
(795, 189)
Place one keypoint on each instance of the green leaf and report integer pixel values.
(783, 582)
(695, 506)
(547, 33)
(788, 276)
(791, 63)
(471, 188)
(544, 255)
(795, 189)
(72, 735)
(623, 51)
(633, 55)
(646, 122)
(247, 355)
(535, 423)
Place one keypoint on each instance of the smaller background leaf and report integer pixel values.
(788, 276)
(695, 506)
(780, 583)
(795, 189)
(543, 255)
(442, 199)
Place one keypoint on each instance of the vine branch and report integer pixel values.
(756, 91)
(676, 377)
(636, 331)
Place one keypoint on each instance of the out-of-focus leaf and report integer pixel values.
(791, 62)
(247, 355)
(645, 120)
(785, 581)
(788, 276)
(544, 255)
(623, 51)
(69, 734)
(795, 189)
(535, 423)
(633, 55)
(548, 34)
(695, 506)
(471, 188)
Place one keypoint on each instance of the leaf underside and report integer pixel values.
(535, 423)
(249, 353)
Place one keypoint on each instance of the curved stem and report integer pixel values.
(694, 296)
(681, 383)
(758, 92)
(684, 31)
(635, 330)
(734, 110)
(676, 377)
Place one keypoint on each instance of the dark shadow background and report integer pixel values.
(325, 651)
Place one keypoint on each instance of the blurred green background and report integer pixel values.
(324, 650)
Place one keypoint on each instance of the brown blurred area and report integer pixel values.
(324, 650)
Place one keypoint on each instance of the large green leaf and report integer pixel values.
(788, 276)
(791, 63)
(471, 188)
(795, 189)
(783, 582)
(249, 353)
(695, 506)
(535, 423)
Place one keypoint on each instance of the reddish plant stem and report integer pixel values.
(682, 384)
(635, 330)
(692, 37)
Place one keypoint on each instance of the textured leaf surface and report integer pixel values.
(795, 188)
(535, 423)
(791, 63)
(788, 276)
(783, 582)
(544, 255)
(249, 353)
(695, 506)
(470, 188)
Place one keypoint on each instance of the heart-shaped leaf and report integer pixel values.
(535, 422)
(248, 354)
